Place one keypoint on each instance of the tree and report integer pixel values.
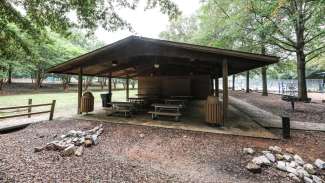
(295, 26)
(29, 21)
(32, 16)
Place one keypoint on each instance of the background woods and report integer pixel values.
(293, 30)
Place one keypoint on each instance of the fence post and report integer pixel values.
(52, 110)
(285, 127)
(29, 110)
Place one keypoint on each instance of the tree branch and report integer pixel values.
(315, 50)
(281, 46)
(283, 42)
(309, 40)
(315, 56)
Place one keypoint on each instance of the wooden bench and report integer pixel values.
(156, 114)
(125, 111)
(112, 111)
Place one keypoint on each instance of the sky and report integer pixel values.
(147, 23)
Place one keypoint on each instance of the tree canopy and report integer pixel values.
(291, 29)
(38, 34)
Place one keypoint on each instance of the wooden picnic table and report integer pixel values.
(123, 107)
(175, 101)
(184, 97)
(137, 99)
(166, 110)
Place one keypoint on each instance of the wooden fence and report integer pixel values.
(28, 108)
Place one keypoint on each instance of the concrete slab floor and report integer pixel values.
(193, 119)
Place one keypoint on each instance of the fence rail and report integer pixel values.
(29, 110)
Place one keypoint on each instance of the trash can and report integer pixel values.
(106, 99)
(87, 102)
(214, 112)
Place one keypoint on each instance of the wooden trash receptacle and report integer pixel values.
(87, 102)
(214, 112)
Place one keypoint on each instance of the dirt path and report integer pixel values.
(270, 120)
(128, 153)
(304, 112)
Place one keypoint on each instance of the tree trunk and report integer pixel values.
(9, 74)
(301, 67)
(247, 82)
(105, 81)
(263, 70)
(264, 81)
(300, 47)
(38, 81)
(233, 82)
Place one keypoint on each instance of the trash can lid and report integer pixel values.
(88, 94)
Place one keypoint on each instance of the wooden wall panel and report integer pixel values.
(197, 86)
(200, 87)
(149, 86)
(174, 86)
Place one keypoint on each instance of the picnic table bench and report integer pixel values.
(166, 110)
(291, 99)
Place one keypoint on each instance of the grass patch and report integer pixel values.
(65, 102)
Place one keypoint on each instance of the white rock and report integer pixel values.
(276, 149)
(79, 151)
(293, 164)
(294, 177)
(63, 136)
(317, 179)
(320, 164)
(291, 170)
(248, 151)
(281, 165)
(72, 133)
(100, 131)
(141, 135)
(94, 139)
(302, 173)
(308, 180)
(252, 167)
(261, 160)
(279, 156)
(298, 159)
(309, 168)
(287, 157)
(270, 156)
(68, 151)
(265, 152)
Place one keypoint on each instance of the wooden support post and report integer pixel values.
(29, 110)
(216, 83)
(225, 87)
(264, 82)
(233, 82)
(52, 110)
(110, 83)
(79, 90)
(127, 88)
(212, 92)
(247, 82)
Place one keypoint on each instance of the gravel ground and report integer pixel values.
(304, 112)
(128, 153)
